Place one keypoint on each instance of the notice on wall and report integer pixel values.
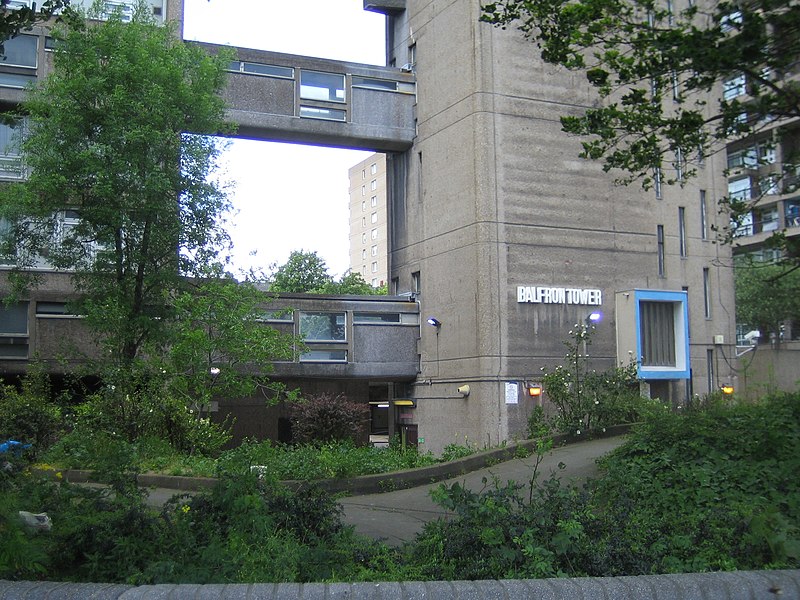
(512, 392)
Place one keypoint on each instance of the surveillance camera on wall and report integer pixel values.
(752, 336)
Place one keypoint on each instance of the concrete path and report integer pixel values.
(396, 517)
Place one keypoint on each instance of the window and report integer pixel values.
(374, 234)
(324, 356)
(11, 166)
(416, 282)
(124, 9)
(252, 68)
(374, 267)
(733, 87)
(363, 221)
(20, 51)
(739, 189)
(327, 87)
(766, 219)
(373, 185)
(322, 327)
(374, 251)
(363, 205)
(657, 182)
(768, 185)
(278, 316)
(364, 318)
(682, 230)
(703, 216)
(707, 292)
(373, 202)
(731, 21)
(744, 158)
(670, 15)
(364, 254)
(13, 80)
(395, 287)
(675, 84)
(373, 218)
(373, 168)
(371, 83)
(662, 334)
(14, 330)
(364, 238)
(710, 363)
(363, 190)
(661, 250)
(679, 164)
(325, 114)
(363, 173)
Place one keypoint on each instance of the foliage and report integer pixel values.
(106, 141)
(319, 461)
(307, 273)
(304, 272)
(766, 295)
(586, 400)
(660, 71)
(23, 18)
(219, 346)
(242, 530)
(325, 417)
(708, 490)
(28, 414)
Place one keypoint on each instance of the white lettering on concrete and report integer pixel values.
(558, 295)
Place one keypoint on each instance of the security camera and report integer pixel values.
(752, 336)
(464, 390)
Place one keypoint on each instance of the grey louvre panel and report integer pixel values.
(657, 325)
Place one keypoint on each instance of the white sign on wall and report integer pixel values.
(538, 294)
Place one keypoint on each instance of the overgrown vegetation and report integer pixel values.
(712, 488)
(586, 401)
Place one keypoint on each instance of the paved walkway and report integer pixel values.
(396, 517)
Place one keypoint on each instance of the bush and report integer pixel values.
(325, 417)
(707, 490)
(28, 415)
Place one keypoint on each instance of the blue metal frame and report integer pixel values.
(680, 371)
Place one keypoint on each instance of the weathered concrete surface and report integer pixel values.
(742, 585)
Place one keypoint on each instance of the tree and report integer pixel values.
(14, 20)
(304, 272)
(118, 193)
(766, 296)
(307, 273)
(218, 344)
(639, 53)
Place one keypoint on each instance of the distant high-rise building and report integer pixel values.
(368, 231)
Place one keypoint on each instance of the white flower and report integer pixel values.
(597, 401)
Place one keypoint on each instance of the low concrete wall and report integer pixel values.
(369, 484)
(740, 585)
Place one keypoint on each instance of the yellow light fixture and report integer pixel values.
(727, 389)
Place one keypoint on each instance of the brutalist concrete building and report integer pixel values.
(498, 234)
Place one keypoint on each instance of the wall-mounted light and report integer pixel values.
(534, 390)
(727, 389)
(593, 318)
(434, 322)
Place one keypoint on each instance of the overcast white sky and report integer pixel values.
(275, 215)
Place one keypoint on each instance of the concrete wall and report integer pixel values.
(497, 197)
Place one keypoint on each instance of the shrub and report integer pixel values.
(28, 414)
(325, 417)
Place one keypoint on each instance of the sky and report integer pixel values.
(274, 218)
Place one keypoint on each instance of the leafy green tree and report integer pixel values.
(304, 272)
(660, 72)
(354, 284)
(766, 295)
(219, 346)
(118, 193)
(307, 273)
